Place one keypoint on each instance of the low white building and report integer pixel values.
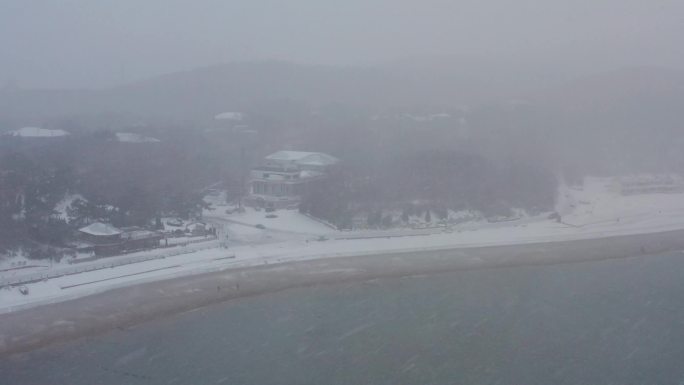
(230, 115)
(649, 184)
(284, 176)
(37, 132)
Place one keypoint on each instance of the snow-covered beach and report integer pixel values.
(132, 304)
(594, 211)
(294, 250)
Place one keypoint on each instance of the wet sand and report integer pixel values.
(125, 307)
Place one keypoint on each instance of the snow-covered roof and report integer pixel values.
(304, 158)
(128, 137)
(101, 229)
(304, 174)
(229, 116)
(195, 225)
(427, 118)
(37, 132)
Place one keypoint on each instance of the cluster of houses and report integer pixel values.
(280, 181)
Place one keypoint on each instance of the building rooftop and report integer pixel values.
(129, 137)
(37, 132)
(100, 229)
(230, 115)
(304, 158)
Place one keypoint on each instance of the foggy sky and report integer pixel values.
(92, 43)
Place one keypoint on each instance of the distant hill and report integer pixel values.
(206, 91)
(433, 83)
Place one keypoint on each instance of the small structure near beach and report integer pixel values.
(649, 184)
(134, 239)
(105, 239)
(102, 238)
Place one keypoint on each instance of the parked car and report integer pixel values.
(23, 290)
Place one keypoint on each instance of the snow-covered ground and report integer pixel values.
(595, 205)
(592, 211)
(63, 205)
(250, 226)
(288, 221)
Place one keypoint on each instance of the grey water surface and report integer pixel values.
(608, 322)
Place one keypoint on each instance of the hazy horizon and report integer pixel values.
(83, 44)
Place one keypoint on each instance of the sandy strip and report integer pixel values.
(124, 307)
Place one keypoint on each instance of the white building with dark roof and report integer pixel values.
(284, 176)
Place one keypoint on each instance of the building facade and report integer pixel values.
(283, 177)
(102, 238)
(105, 239)
(649, 184)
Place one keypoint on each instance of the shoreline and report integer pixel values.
(125, 307)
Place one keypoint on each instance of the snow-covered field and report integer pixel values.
(279, 225)
(592, 211)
